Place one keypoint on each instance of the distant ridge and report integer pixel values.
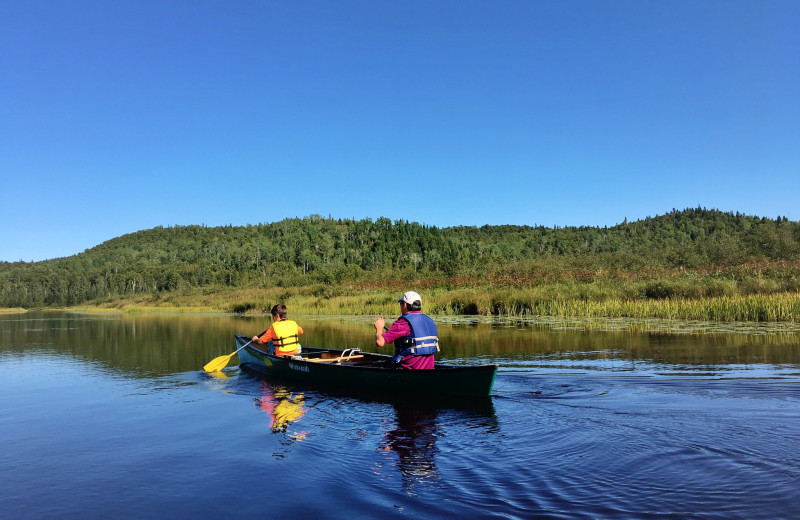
(315, 249)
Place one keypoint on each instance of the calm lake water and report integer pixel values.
(113, 417)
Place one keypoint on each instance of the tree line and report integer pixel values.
(318, 250)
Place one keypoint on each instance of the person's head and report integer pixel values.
(411, 301)
(279, 311)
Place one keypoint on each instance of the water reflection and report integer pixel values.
(413, 442)
(572, 445)
(283, 407)
(420, 425)
(143, 345)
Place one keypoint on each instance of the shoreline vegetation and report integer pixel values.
(14, 310)
(694, 264)
(561, 301)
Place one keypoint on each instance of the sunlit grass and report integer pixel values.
(749, 293)
(12, 310)
(557, 300)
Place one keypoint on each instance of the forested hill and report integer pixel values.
(321, 250)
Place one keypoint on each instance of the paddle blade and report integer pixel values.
(218, 363)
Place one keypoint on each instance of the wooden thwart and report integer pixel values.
(334, 360)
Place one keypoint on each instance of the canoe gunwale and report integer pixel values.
(374, 372)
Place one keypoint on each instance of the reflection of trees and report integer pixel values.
(282, 406)
(152, 345)
(137, 345)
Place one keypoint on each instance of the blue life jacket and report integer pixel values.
(422, 341)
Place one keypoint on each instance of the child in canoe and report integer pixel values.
(283, 336)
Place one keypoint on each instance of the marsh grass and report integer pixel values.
(12, 310)
(750, 292)
(714, 302)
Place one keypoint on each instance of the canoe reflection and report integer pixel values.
(283, 407)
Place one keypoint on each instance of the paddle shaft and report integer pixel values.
(240, 348)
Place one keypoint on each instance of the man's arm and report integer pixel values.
(380, 323)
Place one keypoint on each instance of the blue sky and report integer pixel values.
(122, 116)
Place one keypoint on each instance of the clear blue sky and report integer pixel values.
(122, 116)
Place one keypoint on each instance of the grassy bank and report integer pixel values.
(13, 310)
(708, 299)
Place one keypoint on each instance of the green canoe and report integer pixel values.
(356, 370)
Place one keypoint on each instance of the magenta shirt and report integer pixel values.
(399, 329)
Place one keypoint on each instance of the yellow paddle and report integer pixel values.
(221, 362)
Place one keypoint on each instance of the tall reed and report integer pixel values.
(711, 301)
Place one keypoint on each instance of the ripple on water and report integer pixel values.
(624, 446)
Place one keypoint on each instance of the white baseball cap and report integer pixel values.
(410, 297)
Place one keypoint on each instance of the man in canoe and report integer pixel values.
(283, 336)
(413, 334)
